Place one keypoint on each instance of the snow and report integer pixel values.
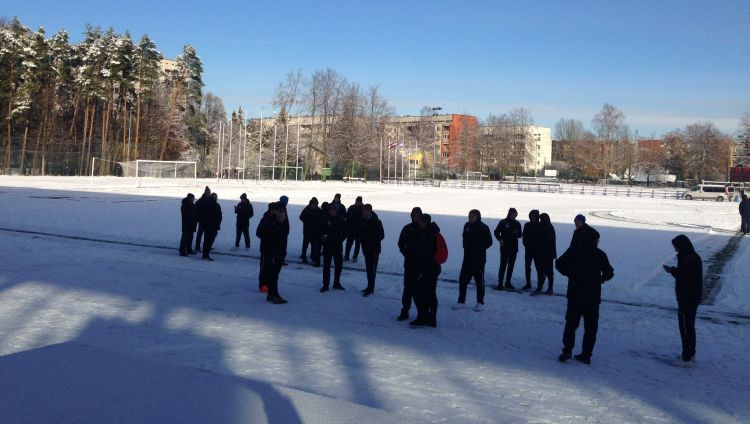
(93, 304)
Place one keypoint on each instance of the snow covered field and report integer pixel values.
(137, 303)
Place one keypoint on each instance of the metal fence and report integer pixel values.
(545, 187)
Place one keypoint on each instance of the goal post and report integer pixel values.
(157, 171)
(280, 172)
(473, 176)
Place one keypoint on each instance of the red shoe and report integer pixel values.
(264, 289)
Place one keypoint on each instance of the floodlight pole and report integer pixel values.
(286, 146)
(296, 167)
(260, 142)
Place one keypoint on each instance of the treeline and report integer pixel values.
(108, 97)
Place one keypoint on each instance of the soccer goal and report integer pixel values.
(279, 172)
(473, 176)
(163, 172)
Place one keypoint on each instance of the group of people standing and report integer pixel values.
(331, 230)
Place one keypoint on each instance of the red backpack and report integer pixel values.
(441, 253)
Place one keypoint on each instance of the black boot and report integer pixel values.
(403, 316)
(564, 356)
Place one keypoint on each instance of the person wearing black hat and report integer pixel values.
(200, 211)
(211, 223)
(271, 233)
(353, 224)
(333, 235)
(408, 245)
(587, 268)
(507, 233)
(476, 240)
(532, 243)
(187, 210)
(688, 276)
(244, 211)
(312, 222)
(370, 234)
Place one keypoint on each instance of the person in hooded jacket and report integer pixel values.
(688, 288)
(266, 215)
(745, 215)
(476, 240)
(244, 211)
(312, 221)
(547, 255)
(353, 224)
(587, 268)
(532, 242)
(370, 235)
(283, 201)
(211, 223)
(333, 234)
(187, 211)
(336, 204)
(507, 233)
(429, 271)
(271, 233)
(582, 232)
(200, 212)
(408, 245)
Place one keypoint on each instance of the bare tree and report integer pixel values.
(609, 127)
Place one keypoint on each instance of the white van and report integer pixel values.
(707, 191)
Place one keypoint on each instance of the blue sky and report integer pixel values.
(664, 63)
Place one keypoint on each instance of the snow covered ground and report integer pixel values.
(136, 299)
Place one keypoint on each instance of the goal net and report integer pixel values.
(278, 172)
(160, 172)
(473, 176)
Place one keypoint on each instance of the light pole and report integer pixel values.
(260, 143)
(434, 144)
(273, 168)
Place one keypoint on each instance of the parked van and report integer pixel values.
(707, 191)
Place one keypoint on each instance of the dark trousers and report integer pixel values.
(426, 295)
(411, 275)
(186, 242)
(260, 270)
(507, 261)
(349, 241)
(471, 270)
(590, 314)
(242, 230)
(198, 236)
(528, 258)
(548, 272)
(270, 269)
(371, 267)
(686, 318)
(314, 244)
(745, 226)
(338, 262)
(208, 242)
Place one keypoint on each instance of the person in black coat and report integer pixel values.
(370, 235)
(200, 212)
(187, 210)
(312, 221)
(429, 270)
(582, 232)
(353, 224)
(507, 233)
(283, 201)
(587, 268)
(267, 214)
(409, 247)
(271, 233)
(333, 234)
(532, 243)
(244, 211)
(547, 255)
(688, 288)
(476, 240)
(211, 224)
(745, 215)
(336, 204)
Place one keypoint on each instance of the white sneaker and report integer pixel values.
(679, 362)
(458, 306)
(479, 307)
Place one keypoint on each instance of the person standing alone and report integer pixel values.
(271, 233)
(688, 288)
(244, 211)
(476, 240)
(312, 221)
(370, 235)
(507, 233)
(745, 215)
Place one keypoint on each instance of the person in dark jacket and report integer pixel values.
(476, 240)
(507, 233)
(353, 224)
(283, 201)
(547, 255)
(336, 204)
(333, 235)
(271, 233)
(211, 224)
(200, 211)
(312, 221)
(587, 268)
(187, 210)
(582, 232)
(409, 247)
(370, 235)
(688, 288)
(267, 214)
(426, 289)
(244, 211)
(532, 243)
(745, 215)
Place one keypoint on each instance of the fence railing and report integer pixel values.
(544, 187)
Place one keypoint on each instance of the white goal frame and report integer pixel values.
(138, 163)
(473, 174)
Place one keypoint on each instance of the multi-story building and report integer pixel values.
(529, 146)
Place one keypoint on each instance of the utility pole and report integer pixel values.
(260, 142)
(434, 143)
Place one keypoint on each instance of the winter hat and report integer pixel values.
(243, 196)
(191, 196)
(283, 200)
(314, 200)
(206, 190)
(512, 211)
(580, 218)
(358, 199)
